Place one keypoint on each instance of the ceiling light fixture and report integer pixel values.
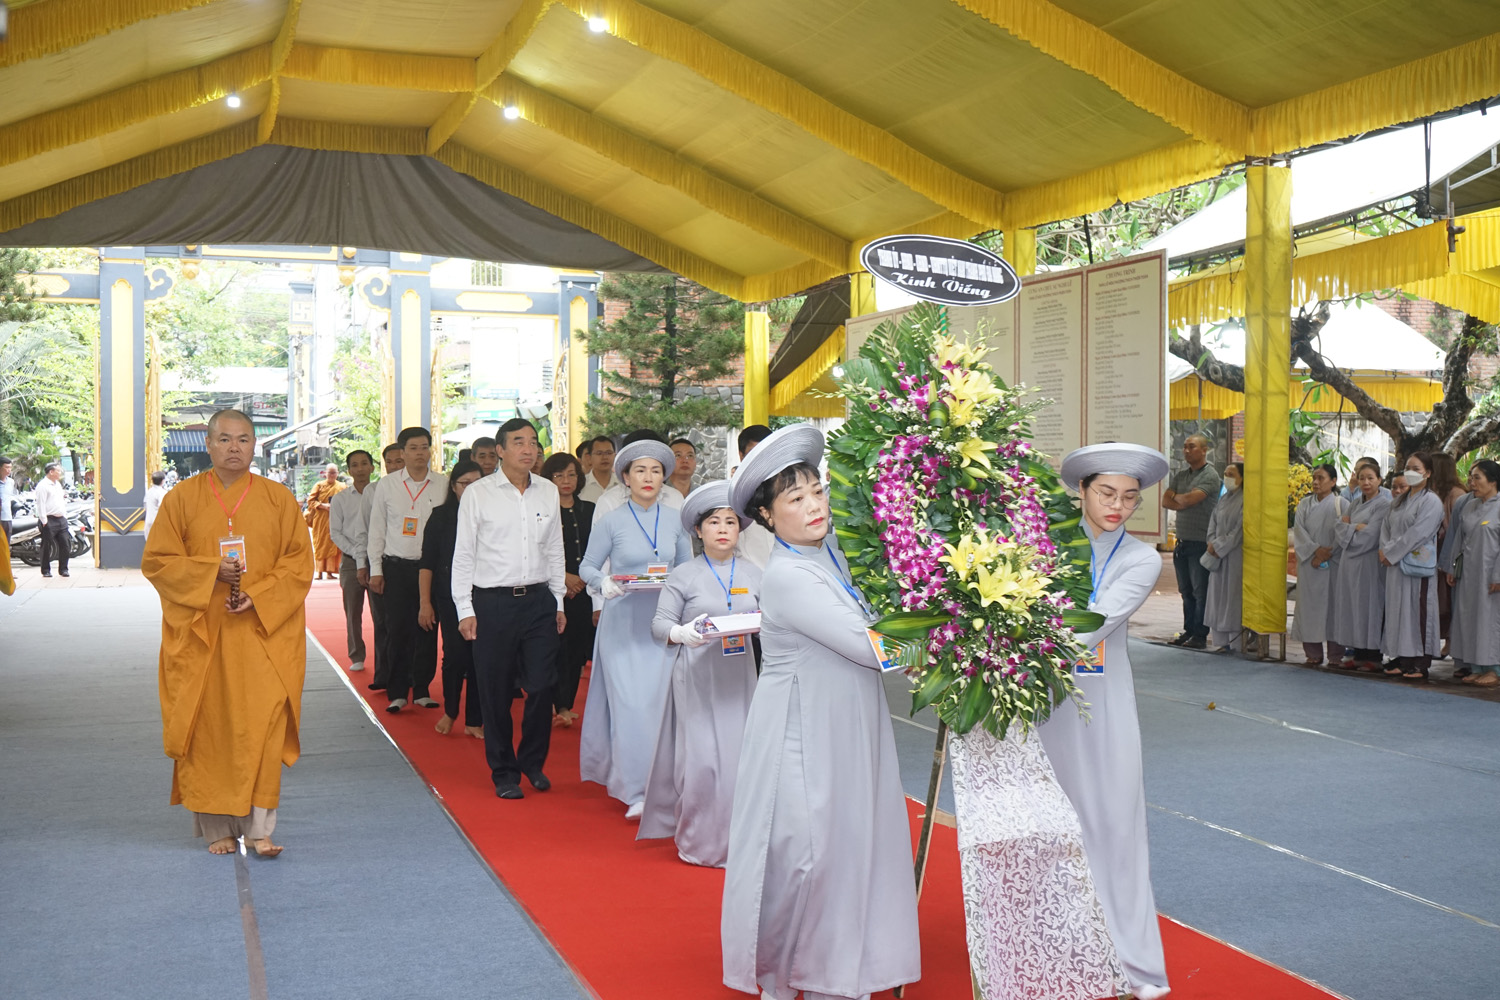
(233, 100)
(512, 112)
(598, 24)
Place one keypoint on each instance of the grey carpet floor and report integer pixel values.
(105, 893)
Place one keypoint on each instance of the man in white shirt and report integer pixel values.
(52, 514)
(154, 493)
(601, 471)
(483, 452)
(755, 542)
(399, 511)
(393, 463)
(508, 584)
(348, 527)
(7, 496)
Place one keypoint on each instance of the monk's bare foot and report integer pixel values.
(444, 725)
(264, 847)
(475, 731)
(224, 845)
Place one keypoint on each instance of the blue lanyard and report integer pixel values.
(838, 571)
(655, 531)
(728, 590)
(1096, 580)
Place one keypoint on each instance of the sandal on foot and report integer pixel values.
(1414, 675)
(1394, 671)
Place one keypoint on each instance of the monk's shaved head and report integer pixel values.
(213, 421)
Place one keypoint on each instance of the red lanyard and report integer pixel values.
(407, 483)
(228, 514)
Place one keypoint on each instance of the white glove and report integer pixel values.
(609, 588)
(688, 635)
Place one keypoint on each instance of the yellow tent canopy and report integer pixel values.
(1403, 393)
(753, 147)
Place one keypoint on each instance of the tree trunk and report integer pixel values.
(669, 350)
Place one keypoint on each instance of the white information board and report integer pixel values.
(1094, 342)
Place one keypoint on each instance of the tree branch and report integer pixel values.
(1448, 416)
(1208, 367)
(1304, 328)
(1474, 434)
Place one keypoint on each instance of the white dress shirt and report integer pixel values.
(755, 544)
(397, 497)
(49, 500)
(7, 497)
(507, 538)
(154, 494)
(349, 522)
(593, 488)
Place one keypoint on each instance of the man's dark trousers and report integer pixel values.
(55, 542)
(516, 640)
(1192, 583)
(413, 649)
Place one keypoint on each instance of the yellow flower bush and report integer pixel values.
(1298, 485)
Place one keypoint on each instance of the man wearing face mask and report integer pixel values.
(1408, 551)
(1192, 494)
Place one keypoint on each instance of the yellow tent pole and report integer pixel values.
(861, 294)
(757, 367)
(1019, 250)
(1268, 332)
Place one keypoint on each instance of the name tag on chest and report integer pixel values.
(735, 645)
(658, 569)
(1092, 661)
(233, 547)
(409, 527)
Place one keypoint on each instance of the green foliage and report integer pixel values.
(358, 398)
(17, 302)
(675, 334)
(218, 320)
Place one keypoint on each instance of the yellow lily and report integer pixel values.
(950, 351)
(969, 390)
(973, 451)
(971, 551)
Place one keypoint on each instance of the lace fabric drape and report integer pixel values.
(1035, 925)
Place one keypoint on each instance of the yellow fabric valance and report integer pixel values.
(1402, 393)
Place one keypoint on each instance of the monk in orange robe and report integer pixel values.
(326, 554)
(230, 557)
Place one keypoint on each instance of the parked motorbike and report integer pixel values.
(26, 535)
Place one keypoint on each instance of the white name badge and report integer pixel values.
(233, 547)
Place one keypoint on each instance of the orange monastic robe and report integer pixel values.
(325, 552)
(231, 685)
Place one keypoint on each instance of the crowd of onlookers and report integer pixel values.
(1388, 578)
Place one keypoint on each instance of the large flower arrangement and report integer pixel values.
(961, 537)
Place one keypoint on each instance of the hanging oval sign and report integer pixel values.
(942, 270)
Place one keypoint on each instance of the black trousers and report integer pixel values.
(382, 674)
(516, 640)
(574, 650)
(458, 662)
(413, 649)
(55, 542)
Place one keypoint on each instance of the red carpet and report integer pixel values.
(635, 922)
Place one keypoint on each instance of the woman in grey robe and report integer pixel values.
(690, 790)
(628, 686)
(1317, 564)
(1097, 759)
(1226, 537)
(818, 889)
(1410, 636)
(1473, 571)
(1359, 588)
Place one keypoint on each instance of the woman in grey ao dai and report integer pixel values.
(1474, 569)
(1359, 588)
(628, 686)
(818, 889)
(1097, 759)
(1410, 635)
(1317, 564)
(690, 791)
(1224, 615)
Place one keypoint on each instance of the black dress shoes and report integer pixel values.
(539, 781)
(509, 790)
(1195, 642)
